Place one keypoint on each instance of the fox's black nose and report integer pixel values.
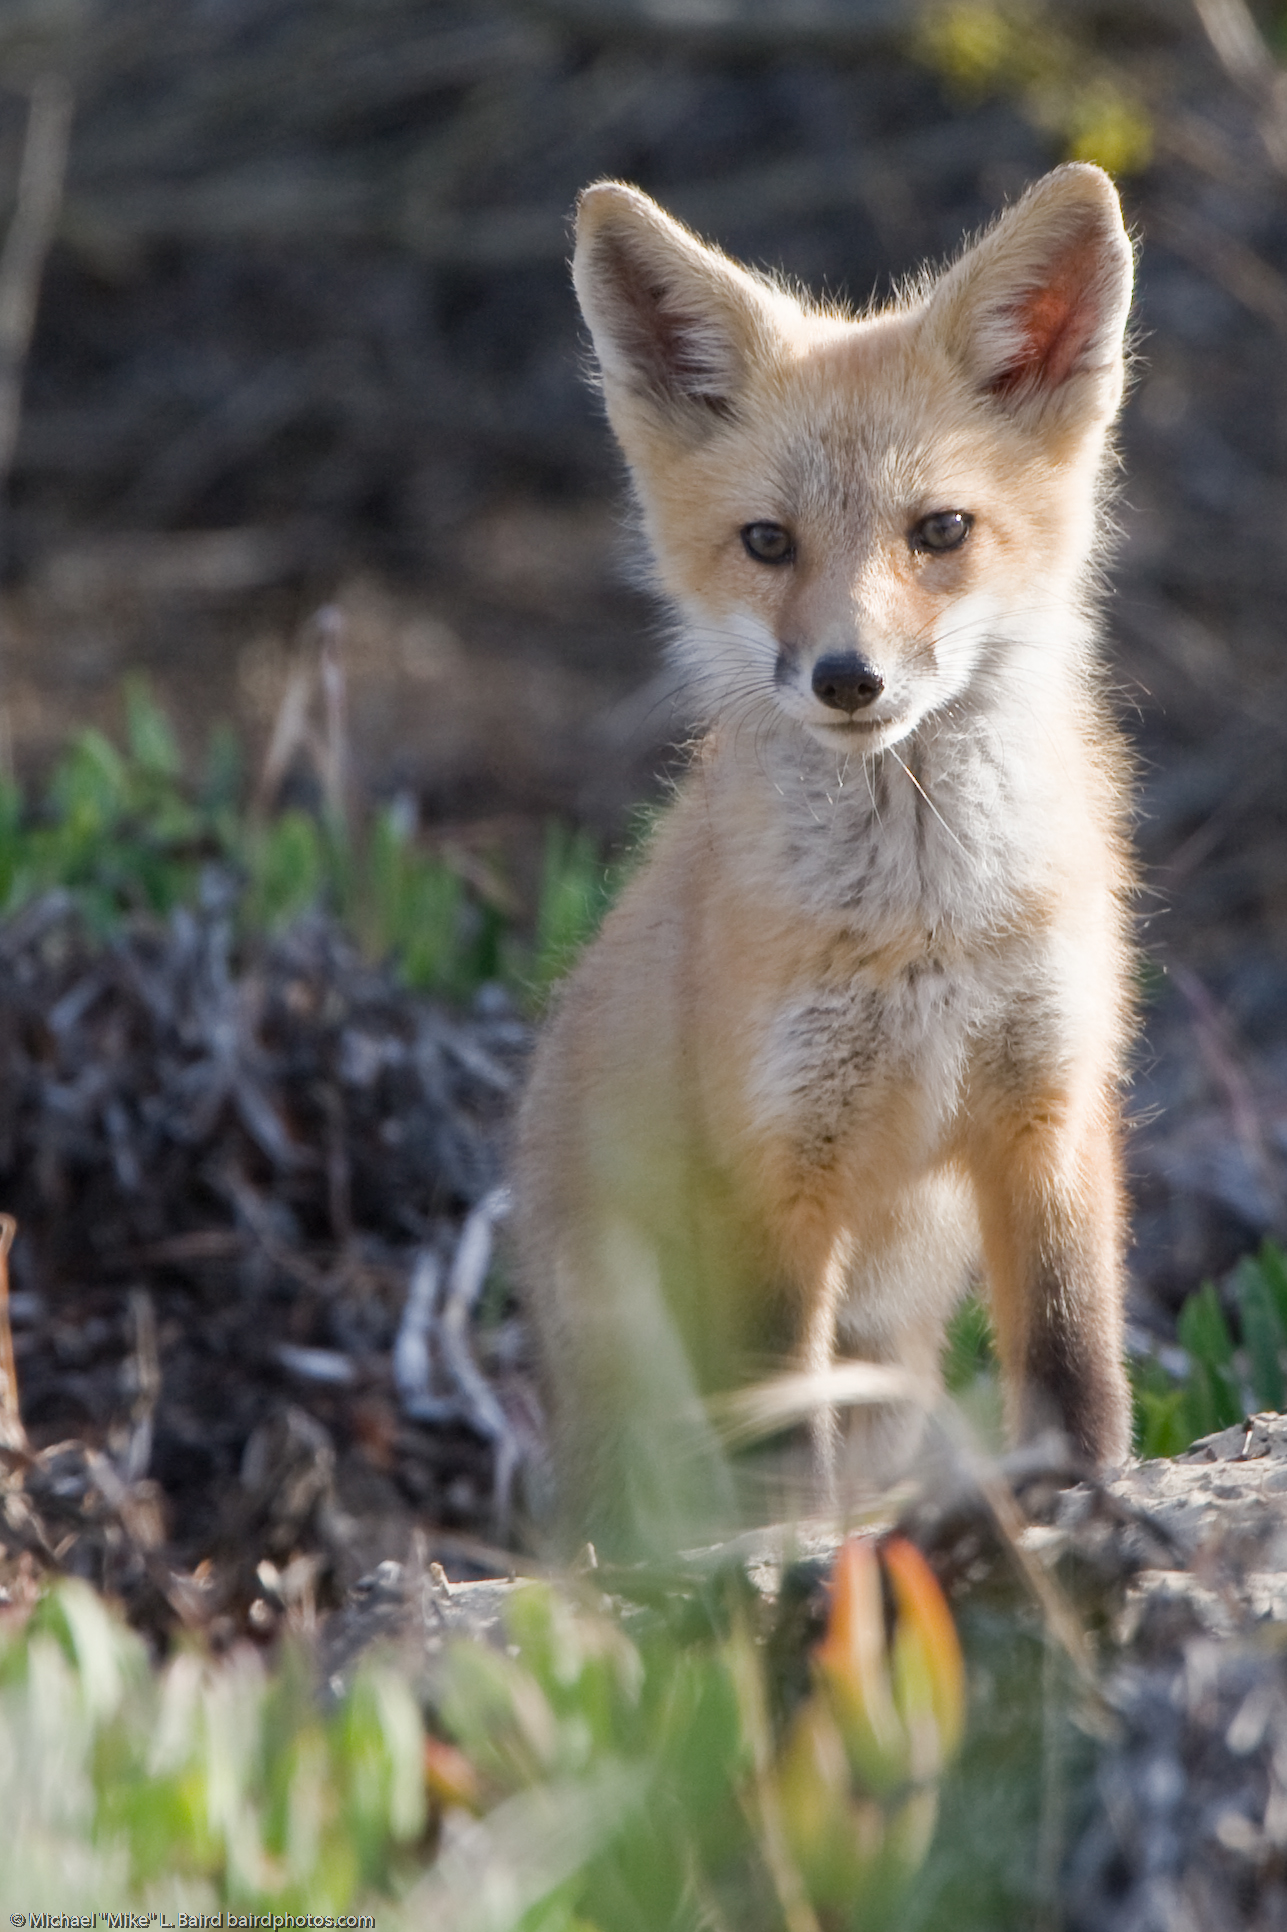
(846, 682)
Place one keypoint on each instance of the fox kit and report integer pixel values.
(853, 1036)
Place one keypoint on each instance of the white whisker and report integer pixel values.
(928, 800)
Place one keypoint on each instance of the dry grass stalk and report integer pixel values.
(40, 191)
(12, 1433)
(316, 680)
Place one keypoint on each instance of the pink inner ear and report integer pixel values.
(1056, 323)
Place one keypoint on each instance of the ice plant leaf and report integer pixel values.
(853, 1664)
(927, 1651)
(450, 1779)
(836, 1842)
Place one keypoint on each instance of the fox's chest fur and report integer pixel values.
(942, 911)
(855, 1028)
(828, 1058)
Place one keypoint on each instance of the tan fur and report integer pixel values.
(856, 1027)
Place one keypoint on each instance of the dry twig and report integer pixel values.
(1241, 50)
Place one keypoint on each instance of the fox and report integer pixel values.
(854, 1036)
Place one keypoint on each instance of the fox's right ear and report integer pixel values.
(676, 325)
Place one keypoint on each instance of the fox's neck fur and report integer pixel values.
(949, 836)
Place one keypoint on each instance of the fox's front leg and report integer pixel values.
(1051, 1211)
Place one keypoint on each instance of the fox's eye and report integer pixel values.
(941, 530)
(768, 543)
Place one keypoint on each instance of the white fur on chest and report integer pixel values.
(926, 879)
(828, 1059)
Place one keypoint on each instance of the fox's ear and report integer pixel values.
(676, 325)
(1035, 312)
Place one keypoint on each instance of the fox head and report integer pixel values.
(866, 519)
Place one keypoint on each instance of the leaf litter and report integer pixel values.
(256, 1182)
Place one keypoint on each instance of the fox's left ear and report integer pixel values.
(1036, 311)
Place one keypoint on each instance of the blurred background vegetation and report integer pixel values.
(315, 558)
(305, 337)
(317, 588)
